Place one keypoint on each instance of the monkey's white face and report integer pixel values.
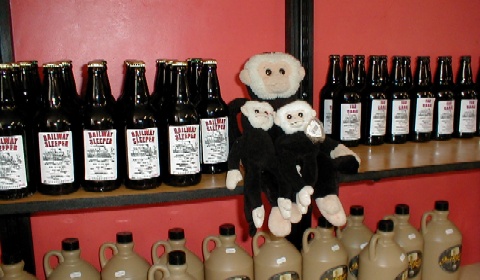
(259, 114)
(294, 117)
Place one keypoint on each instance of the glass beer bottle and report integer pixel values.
(444, 103)
(466, 101)
(194, 70)
(360, 74)
(158, 95)
(329, 90)
(28, 97)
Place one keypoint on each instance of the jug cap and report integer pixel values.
(11, 258)
(177, 257)
(356, 210)
(227, 229)
(441, 205)
(176, 234)
(385, 225)
(124, 237)
(70, 244)
(324, 223)
(402, 209)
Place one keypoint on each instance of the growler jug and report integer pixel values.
(176, 269)
(11, 268)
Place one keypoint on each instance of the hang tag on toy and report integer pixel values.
(314, 131)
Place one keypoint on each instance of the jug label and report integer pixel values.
(12, 163)
(414, 263)
(76, 274)
(281, 260)
(142, 153)
(288, 275)
(335, 247)
(336, 273)
(412, 236)
(230, 250)
(402, 276)
(214, 136)
(120, 273)
(56, 157)
(238, 278)
(353, 265)
(100, 154)
(449, 231)
(449, 260)
(184, 149)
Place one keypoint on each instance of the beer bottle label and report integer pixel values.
(350, 116)
(56, 157)
(338, 272)
(100, 153)
(400, 117)
(184, 149)
(143, 153)
(327, 116)
(13, 172)
(468, 115)
(214, 136)
(424, 115)
(378, 118)
(445, 117)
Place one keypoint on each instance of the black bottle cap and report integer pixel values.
(11, 258)
(441, 205)
(402, 209)
(356, 210)
(227, 229)
(324, 223)
(70, 244)
(176, 234)
(124, 237)
(177, 257)
(385, 225)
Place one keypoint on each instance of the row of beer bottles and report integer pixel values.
(374, 108)
(100, 143)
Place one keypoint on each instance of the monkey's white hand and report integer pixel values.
(285, 207)
(258, 215)
(233, 177)
(332, 209)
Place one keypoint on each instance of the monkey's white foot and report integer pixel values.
(233, 177)
(258, 215)
(332, 209)
(277, 225)
(285, 207)
(296, 215)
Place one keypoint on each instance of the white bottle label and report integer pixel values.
(350, 116)
(378, 118)
(400, 117)
(184, 149)
(424, 115)
(76, 274)
(13, 174)
(56, 157)
(468, 115)
(412, 236)
(327, 116)
(100, 153)
(214, 140)
(142, 153)
(449, 231)
(281, 260)
(230, 250)
(445, 116)
(335, 247)
(120, 273)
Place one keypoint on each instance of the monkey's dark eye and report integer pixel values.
(289, 116)
(257, 111)
(300, 115)
(282, 71)
(268, 72)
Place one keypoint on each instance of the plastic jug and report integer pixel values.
(176, 269)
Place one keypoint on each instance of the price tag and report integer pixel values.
(315, 131)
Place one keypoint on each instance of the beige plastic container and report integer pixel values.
(324, 256)
(176, 241)
(443, 245)
(70, 264)
(276, 258)
(354, 237)
(125, 264)
(11, 268)
(409, 239)
(227, 260)
(383, 259)
(176, 269)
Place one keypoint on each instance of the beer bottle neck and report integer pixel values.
(398, 75)
(180, 86)
(160, 78)
(374, 72)
(96, 95)
(54, 88)
(210, 87)
(441, 75)
(348, 75)
(360, 71)
(334, 72)
(7, 99)
(465, 73)
(423, 75)
(141, 88)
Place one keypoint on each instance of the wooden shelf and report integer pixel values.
(378, 162)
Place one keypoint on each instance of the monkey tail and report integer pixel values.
(234, 129)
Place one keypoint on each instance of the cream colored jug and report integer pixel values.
(176, 269)
(11, 268)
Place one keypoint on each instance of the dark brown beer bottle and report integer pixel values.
(398, 101)
(14, 153)
(99, 133)
(56, 137)
(182, 132)
(444, 103)
(374, 105)
(158, 95)
(28, 97)
(194, 70)
(347, 108)
(213, 113)
(360, 74)
(141, 133)
(466, 101)
(73, 100)
(329, 90)
(422, 102)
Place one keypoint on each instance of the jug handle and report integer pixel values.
(424, 221)
(154, 268)
(306, 234)
(103, 258)
(1, 271)
(216, 240)
(46, 261)
(372, 254)
(165, 244)
(256, 248)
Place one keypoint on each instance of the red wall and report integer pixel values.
(232, 31)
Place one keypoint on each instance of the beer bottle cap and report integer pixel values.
(210, 62)
(95, 64)
(177, 257)
(179, 63)
(227, 229)
(124, 237)
(324, 223)
(65, 63)
(161, 61)
(4, 66)
(70, 244)
(356, 210)
(25, 64)
(441, 205)
(137, 64)
(176, 234)
(51, 65)
(402, 209)
(385, 225)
